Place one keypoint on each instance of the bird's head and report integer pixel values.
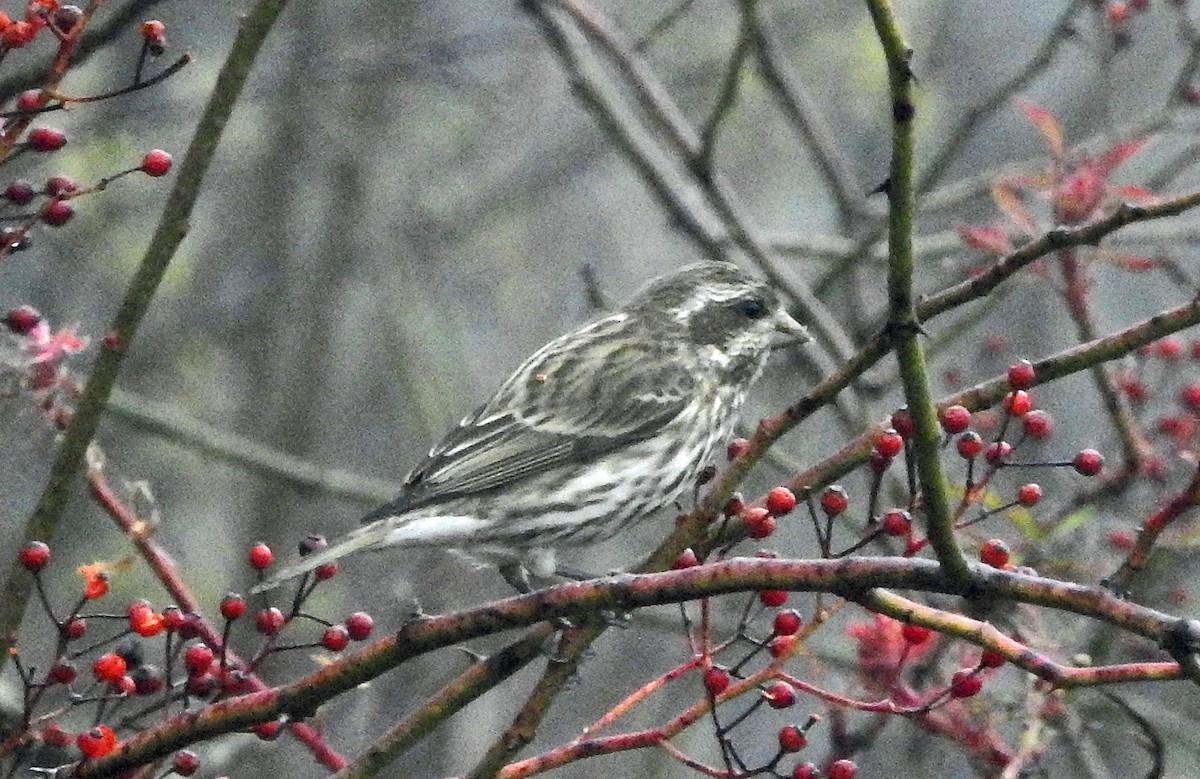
(729, 318)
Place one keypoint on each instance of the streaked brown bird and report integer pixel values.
(601, 427)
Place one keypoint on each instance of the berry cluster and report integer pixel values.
(49, 199)
(193, 662)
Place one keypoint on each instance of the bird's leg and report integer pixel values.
(517, 577)
(574, 574)
(705, 476)
(614, 619)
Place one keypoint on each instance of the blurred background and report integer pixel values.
(409, 200)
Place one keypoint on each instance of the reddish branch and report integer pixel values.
(166, 571)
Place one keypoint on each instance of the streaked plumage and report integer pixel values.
(600, 427)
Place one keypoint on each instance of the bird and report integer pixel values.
(600, 428)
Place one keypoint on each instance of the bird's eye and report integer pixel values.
(753, 308)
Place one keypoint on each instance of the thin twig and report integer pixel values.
(169, 422)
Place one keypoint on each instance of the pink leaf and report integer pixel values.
(1119, 152)
(985, 238)
(1047, 124)
(1134, 193)
(1010, 203)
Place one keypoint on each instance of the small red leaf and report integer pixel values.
(1119, 152)
(985, 238)
(1047, 124)
(1011, 204)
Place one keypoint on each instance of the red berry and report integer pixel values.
(686, 559)
(992, 659)
(198, 658)
(234, 681)
(359, 625)
(1018, 403)
(153, 30)
(737, 447)
(95, 584)
(787, 623)
(915, 634)
(965, 683)
(109, 667)
(173, 618)
(773, 598)
(17, 34)
(46, 139)
(997, 452)
(1122, 539)
(805, 771)
(74, 629)
(146, 622)
(29, 100)
(335, 638)
(60, 185)
(259, 556)
(1169, 348)
(34, 556)
(22, 319)
(185, 762)
(954, 419)
(62, 672)
(57, 213)
(96, 742)
(779, 695)
(897, 522)
(758, 522)
(191, 626)
(233, 606)
(1037, 424)
(792, 739)
(994, 553)
(20, 192)
(735, 505)
(1029, 494)
(834, 500)
(311, 544)
(1021, 375)
(1134, 388)
(1088, 462)
(716, 680)
(780, 645)
(267, 731)
(200, 685)
(146, 680)
(1116, 12)
(156, 163)
(841, 769)
(326, 571)
(268, 621)
(889, 443)
(1189, 396)
(65, 17)
(780, 501)
(902, 422)
(969, 445)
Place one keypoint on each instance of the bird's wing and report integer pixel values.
(580, 397)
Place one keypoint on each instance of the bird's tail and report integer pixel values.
(360, 540)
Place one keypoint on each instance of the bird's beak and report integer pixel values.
(791, 332)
